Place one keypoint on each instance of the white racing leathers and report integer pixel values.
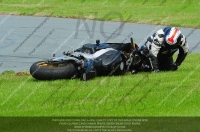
(161, 53)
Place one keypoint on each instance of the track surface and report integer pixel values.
(24, 39)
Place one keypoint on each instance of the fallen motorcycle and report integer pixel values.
(89, 61)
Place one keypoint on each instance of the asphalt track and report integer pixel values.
(25, 39)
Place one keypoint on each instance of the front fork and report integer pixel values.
(129, 62)
(87, 70)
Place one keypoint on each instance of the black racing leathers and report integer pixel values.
(161, 53)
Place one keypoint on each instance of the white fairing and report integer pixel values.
(95, 55)
(85, 55)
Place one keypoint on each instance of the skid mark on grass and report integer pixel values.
(189, 93)
(185, 79)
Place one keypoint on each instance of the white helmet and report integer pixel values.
(172, 35)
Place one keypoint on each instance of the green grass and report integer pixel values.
(166, 12)
(128, 95)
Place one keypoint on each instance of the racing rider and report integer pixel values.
(162, 45)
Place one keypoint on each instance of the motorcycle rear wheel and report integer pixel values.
(42, 70)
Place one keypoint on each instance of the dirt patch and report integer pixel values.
(22, 73)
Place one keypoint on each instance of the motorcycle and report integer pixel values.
(89, 61)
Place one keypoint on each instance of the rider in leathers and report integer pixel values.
(162, 45)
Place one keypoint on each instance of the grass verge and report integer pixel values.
(143, 94)
(183, 13)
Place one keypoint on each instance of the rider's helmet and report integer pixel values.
(172, 36)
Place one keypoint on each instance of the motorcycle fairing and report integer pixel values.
(110, 58)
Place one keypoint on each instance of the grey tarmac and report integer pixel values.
(27, 39)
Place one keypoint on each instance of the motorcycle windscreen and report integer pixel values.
(110, 57)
